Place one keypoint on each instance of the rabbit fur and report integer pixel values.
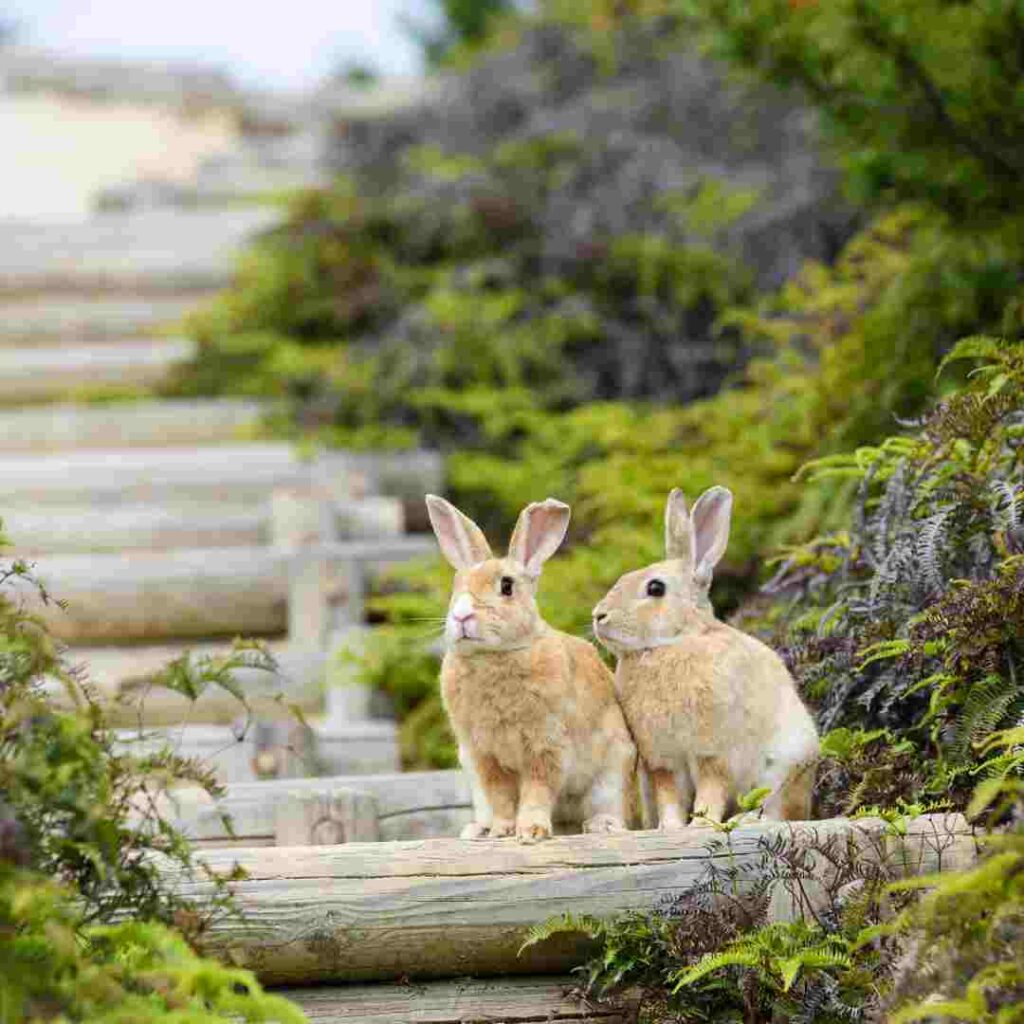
(714, 712)
(533, 709)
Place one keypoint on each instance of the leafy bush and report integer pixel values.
(921, 96)
(713, 952)
(911, 621)
(85, 902)
(55, 966)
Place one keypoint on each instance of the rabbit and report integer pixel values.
(714, 712)
(533, 709)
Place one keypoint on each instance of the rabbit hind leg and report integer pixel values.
(791, 801)
(609, 802)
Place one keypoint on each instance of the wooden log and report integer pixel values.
(157, 526)
(209, 592)
(509, 1000)
(69, 317)
(448, 908)
(239, 755)
(161, 251)
(61, 371)
(410, 805)
(325, 817)
(165, 422)
(236, 473)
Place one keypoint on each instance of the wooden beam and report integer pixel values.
(449, 908)
(410, 805)
(509, 1000)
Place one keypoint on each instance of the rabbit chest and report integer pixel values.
(672, 706)
(511, 705)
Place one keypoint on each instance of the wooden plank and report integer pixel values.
(448, 908)
(510, 1000)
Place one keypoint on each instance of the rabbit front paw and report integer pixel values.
(671, 821)
(533, 827)
(501, 828)
(475, 830)
(699, 821)
(604, 823)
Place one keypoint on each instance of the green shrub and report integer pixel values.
(86, 901)
(921, 96)
(54, 966)
(910, 621)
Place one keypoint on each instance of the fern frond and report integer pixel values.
(566, 924)
(978, 346)
(983, 710)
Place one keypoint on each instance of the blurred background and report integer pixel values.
(266, 277)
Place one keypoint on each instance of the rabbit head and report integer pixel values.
(493, 604)
(654, 606)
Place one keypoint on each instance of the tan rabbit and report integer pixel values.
(714, 712)
(534, 710)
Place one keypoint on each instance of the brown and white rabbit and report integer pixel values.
(714, 712)
(534, 710)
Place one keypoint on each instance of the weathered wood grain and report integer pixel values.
(410, 805)
(510, 1000)
(447, 908)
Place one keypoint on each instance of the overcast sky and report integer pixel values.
(290, 44)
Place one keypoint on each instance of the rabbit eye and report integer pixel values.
(506, 586)
(656, 588)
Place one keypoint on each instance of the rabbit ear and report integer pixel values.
(678, 529)
(539, 531)
(462, 541)
(711, 517)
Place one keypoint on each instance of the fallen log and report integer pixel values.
(448, 908)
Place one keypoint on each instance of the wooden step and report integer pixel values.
(76, 318)
(409, 805)
(202, 592)
(123, 424)
(505, 1000)
(155, 251)
(235, 473)
(134, 527)
(152, 527)
(232, 751)
(444, 908)
(62, 371)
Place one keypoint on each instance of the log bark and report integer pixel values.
(446, 908)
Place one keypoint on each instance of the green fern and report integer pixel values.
(777, 953)
(984, 708)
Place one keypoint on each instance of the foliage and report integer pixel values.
(713, 952)
(922, 96)
(85, 903)
(401, 665)
(966, 948)
(436, 308)
(911, 621)
(463, 24)
(54, 966)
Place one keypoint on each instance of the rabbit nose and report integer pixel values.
(600, 616)
(463, 609)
